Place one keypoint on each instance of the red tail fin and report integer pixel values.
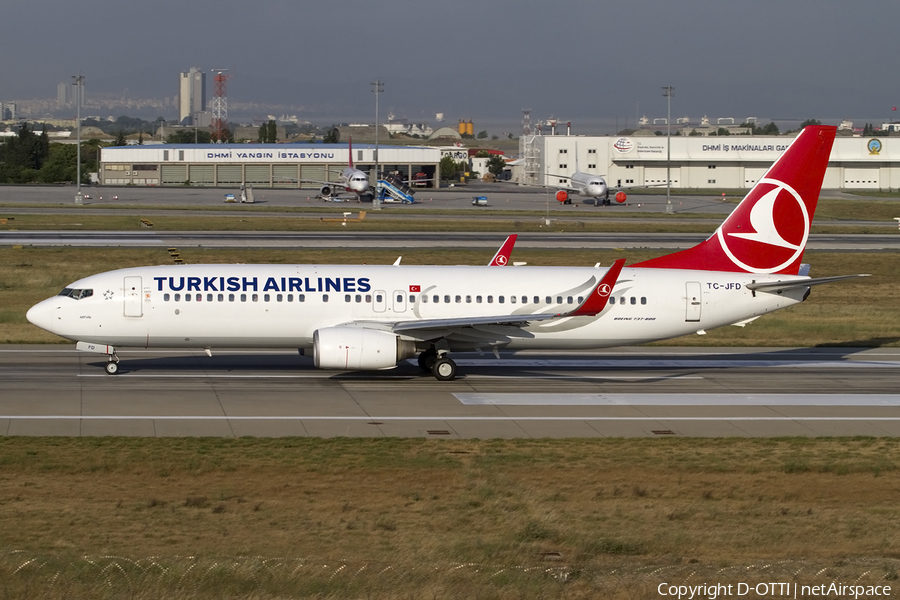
(767, 232)
(501, 259)
(350, 152)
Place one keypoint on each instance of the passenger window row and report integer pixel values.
(234, 297)
(447, 299)
(624, 300)
(367, 298)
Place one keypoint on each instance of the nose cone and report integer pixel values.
(41, 314)
(359, 186)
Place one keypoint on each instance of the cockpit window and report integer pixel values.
(77, 294)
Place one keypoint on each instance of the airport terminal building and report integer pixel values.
(726, 162)
(259, 165)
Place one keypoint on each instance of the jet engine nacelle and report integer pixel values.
(357, 348)
(325, 191)
(562, 195)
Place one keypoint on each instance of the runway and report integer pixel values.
(629, 392)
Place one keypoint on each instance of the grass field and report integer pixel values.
(450, 515)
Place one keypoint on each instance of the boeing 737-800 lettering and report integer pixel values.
(372, 317)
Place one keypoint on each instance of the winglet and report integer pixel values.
(596, 300)
(501, 259)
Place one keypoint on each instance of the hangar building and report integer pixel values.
(261, 165)
(729, 162)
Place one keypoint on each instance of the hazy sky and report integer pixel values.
(485, 59)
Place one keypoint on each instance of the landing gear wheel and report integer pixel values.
(426, 360)
(444, 369)
(112, 367)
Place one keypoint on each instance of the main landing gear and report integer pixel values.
(444, 369)
(438, 363)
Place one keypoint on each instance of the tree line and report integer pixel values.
(31, 158)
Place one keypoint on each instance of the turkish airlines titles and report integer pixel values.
(272, 284)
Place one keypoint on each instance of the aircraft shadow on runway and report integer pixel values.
(574, 366)
(857, 345)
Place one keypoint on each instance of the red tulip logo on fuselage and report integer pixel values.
(768, 233)
(603, 289)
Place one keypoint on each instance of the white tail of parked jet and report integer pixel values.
(374, 317)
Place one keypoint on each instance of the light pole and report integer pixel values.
(668, 92)
(377, 88)
(79, 90)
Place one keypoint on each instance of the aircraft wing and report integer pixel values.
(557, 186)
(779, 286)
(337, 183)
(503, 320)
(431, 328)
(318, 181)
(541, 186)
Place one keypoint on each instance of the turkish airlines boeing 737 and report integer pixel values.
(372, 317)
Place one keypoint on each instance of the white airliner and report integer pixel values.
(372, 317)
(581, 183)
(584, 184)
(352, 180)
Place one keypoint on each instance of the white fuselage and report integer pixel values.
(355, 180)
(281, 306)
(592, 186)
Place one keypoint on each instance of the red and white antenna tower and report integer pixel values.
(220, 105)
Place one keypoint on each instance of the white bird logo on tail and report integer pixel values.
(762, 218)
(762, 221)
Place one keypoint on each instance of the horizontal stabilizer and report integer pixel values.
(777, 286)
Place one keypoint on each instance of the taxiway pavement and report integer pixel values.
(635, 391)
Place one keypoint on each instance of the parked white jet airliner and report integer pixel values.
(352, 180)
(372, 317)
(584, 184)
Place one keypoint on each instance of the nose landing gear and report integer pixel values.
(112, 364)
